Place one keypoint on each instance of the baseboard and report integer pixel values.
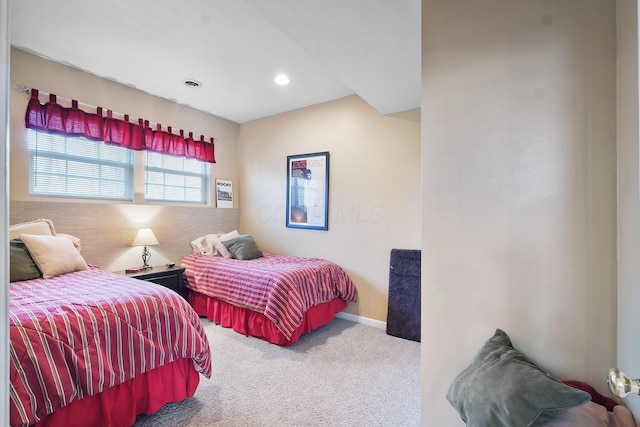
(364, 320)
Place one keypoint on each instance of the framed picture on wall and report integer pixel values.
(224, 193)
(308, 191)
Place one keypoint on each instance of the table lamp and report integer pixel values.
(145, 237)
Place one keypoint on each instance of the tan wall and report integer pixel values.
(48, 76)
(374, 195)
(628, 194)
(519, 188)
(105, 228)
(4, 212)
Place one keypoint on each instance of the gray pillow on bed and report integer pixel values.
(22, 267)
(502, 387)
(243, 247)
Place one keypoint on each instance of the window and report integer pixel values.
(78, 167)
(175, 179)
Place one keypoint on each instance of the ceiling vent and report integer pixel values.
(192, 83)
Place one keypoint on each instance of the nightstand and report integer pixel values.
(169, 277)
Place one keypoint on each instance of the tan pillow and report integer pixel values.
(75, 240)
(213, 239)
(592, 414)
(43, 227)
(222, 249)
(54, 255)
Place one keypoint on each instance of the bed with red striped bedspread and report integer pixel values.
(78, 334)
(282, 287)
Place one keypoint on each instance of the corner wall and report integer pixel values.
(71, 83)
(4, 213)
(107, 228)
(628, 195)
(374, 189)
(519, 188)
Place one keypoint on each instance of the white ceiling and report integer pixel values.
(329, 48)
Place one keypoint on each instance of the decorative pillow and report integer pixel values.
(207, 242)
(54, 255)
(213, 241)
(22, 266)
(198, 245)
(75, 240)
(502, 387)
(243, 247)
(43, 227)
(221, 249)
(592, 414)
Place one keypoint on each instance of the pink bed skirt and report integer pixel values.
(119, 405)
(253, 323)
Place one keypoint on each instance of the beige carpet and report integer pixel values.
(343, 374)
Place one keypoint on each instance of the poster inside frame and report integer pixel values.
(308, 191)
(224, 193)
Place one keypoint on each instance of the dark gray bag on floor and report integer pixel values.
(403, 315)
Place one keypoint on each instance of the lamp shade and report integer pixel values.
(145, 237)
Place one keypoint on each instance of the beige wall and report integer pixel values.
(628, 194)
(374, 195)
(48, 76)
(519, 188)
(107, 231)
(4, 211)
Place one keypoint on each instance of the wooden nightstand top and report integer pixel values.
(153, 272)
(169, 277)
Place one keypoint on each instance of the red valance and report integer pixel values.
(54, 118)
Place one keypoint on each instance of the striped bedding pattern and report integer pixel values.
(80, 333)
(282, 287)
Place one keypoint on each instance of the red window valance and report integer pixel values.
(72, 121)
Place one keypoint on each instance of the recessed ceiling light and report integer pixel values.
(192, 83)
(282, 79)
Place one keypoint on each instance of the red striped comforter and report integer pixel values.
(280, 286)
(78, 334)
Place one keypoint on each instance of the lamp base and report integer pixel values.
(146, 254)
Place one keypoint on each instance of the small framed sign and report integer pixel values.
(224, 193)
(308, 191)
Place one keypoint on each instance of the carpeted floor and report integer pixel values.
(343, 374)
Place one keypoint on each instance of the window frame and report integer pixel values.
(204, 177)
(35, 153)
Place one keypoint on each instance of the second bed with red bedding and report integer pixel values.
(275, 297)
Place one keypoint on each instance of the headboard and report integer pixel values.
(106, 230)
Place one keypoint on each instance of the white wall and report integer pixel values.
(374, 189)
(519, 187)
(628, 194)
(4, 212)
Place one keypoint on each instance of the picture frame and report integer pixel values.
(308, 191)
(224, 193)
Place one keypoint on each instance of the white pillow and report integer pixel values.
(198, 245)
(222, 250)
(213, 239)
(204, 244)
(54, 255)
(42, 227)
